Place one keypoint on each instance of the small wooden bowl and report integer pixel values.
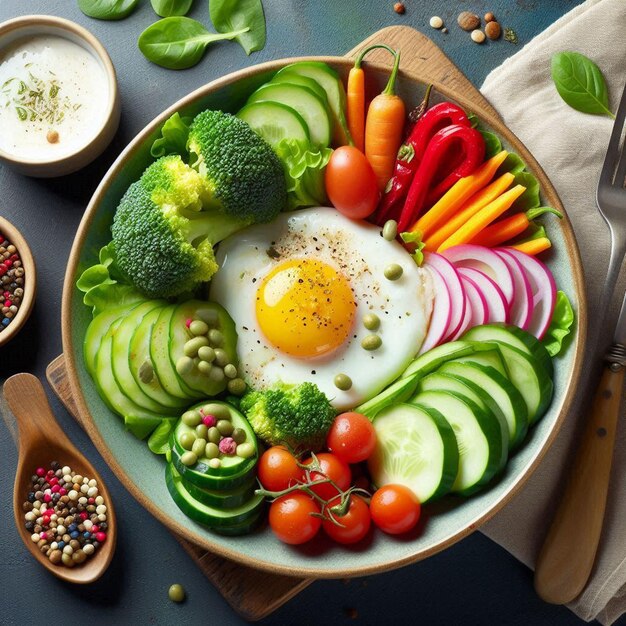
(30, 280)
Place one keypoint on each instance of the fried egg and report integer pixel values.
(301, 290)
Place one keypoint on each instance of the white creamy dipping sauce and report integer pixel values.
(53, 98)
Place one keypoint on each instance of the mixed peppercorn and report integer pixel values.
(11, 281)
(65, 514)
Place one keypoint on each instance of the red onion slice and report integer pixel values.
(477, 302)
(496, 302)
(442, 311)
(521, 311)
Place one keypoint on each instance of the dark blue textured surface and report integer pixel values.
(474, 582)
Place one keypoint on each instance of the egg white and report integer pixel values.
(357, 250)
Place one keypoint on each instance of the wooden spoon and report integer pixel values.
(42, 441)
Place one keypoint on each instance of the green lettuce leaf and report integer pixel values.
(530, 198)
(560, 326)
(173, 139)
(415, 238)
(493, 145)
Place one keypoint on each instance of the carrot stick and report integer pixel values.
(484, 217)
(383, 129)
(477, 202)
(534, 246)
(510, 227)
(457, 195)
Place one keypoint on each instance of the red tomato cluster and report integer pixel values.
(294, 517)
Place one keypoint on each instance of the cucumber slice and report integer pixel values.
(489, 358)
(304, 81)
(311, 107)
(329, 80)
(139, 353)
(479, 439)
(274, 122)
(223, 498)
(213, 517)
(415, 447)
(500, 391)
(439, 381)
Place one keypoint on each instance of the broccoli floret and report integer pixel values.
(244, 174)
(296, 415)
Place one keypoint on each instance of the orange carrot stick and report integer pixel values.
(383, 129)
(477, 202)
(457, 195)
(533, 246)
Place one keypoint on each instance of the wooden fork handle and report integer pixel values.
(567, 555)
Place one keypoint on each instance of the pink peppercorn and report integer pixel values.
(43, 536)
(8, 263)
(63, 491)
(83, 515)
(209, 421)
(55, 488)
(41, 472)
(47, 497)
(101, 537)
(95, 528)
(188, 322)
(91, 501)
(228, 445)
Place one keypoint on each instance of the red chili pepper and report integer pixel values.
(472, 145)
(412, 151)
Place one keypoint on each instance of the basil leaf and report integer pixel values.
(228, 15)
(178, 42)
(107, 9)
(580, 83)
(169, 8)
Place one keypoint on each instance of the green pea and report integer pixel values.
(204, 368)
(198, 327)
(193, 345)
(191, 418)
(216, 337)
(186, 440)
(230, 370)
(221, 358)
(393, 271)
(202, 431)
(198, 447)
(188, 459)
(206, 353)
(390, 230)
(225, 427)
(209, 316)
(184, 365)
(214, 463)
(146, 372)
(343, 382)
(211, 451)
(245, 450)
(371, 321)
(237, 386)
(216, 374)
(371, 342)
(239, 435)
(221, 411)
(176, 593)
(214, 435)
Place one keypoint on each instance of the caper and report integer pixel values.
(198, 447)
(214, 435)
(208, 316)
(216, 337)
(211, 451)
(191, 418)
(146, 372)
(221, 358)
(343, 382)
(188, 459)
(176, 593)
(202, 431)
(390, 230)
(198, 327)
(214, 463)
(245, 450)
(221, 411)
(193, 345)
(184, 365)
(216, 374)
(204, 368)
(239, 435)
(371, 342)
(393, 271)
(371, 321)
(225, 427)
(230, 370)
(186, 440)
(206, 353)
(237, 386)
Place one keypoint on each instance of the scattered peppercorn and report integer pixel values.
(468, 21)
(11, 282)
(478, 36)
(52, 136)
(436, 22)
(399, 8)
(176, 593)
(493, 30)
(489, 17)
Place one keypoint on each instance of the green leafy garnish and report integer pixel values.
(158, 442)
(416, 239)
(510, 35)
(560, 326)
(232, 15)
(493, 145)
(173, 139)
(169, 8)
(107, 9)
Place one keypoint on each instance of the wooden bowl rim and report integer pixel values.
(69, 292)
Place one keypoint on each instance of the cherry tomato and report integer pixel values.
(351, 437)
(278, 469)
(395, 509)
(291, 520)
(334, 468)
(351, 183)
(354, 524)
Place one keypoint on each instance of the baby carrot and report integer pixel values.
(383, 129)
(533, 246)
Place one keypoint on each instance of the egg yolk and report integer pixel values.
(305, 308)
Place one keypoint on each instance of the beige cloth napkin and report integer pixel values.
(570, 147)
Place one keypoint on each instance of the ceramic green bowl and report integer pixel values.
(444, 522)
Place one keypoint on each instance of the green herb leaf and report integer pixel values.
(560, 326)
(415, 237)
(173, 139)
(178, 42)
(170, 8)
(530, 198)
(493, 145)
(158, 441)
(229, 15)
(580, 83)
(107, 9)
(510, 35)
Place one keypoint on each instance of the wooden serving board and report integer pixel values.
(252, 593)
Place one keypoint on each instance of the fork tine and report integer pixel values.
(612, 153)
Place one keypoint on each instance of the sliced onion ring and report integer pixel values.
(442, 311)
(521, 311)
(496, 302)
